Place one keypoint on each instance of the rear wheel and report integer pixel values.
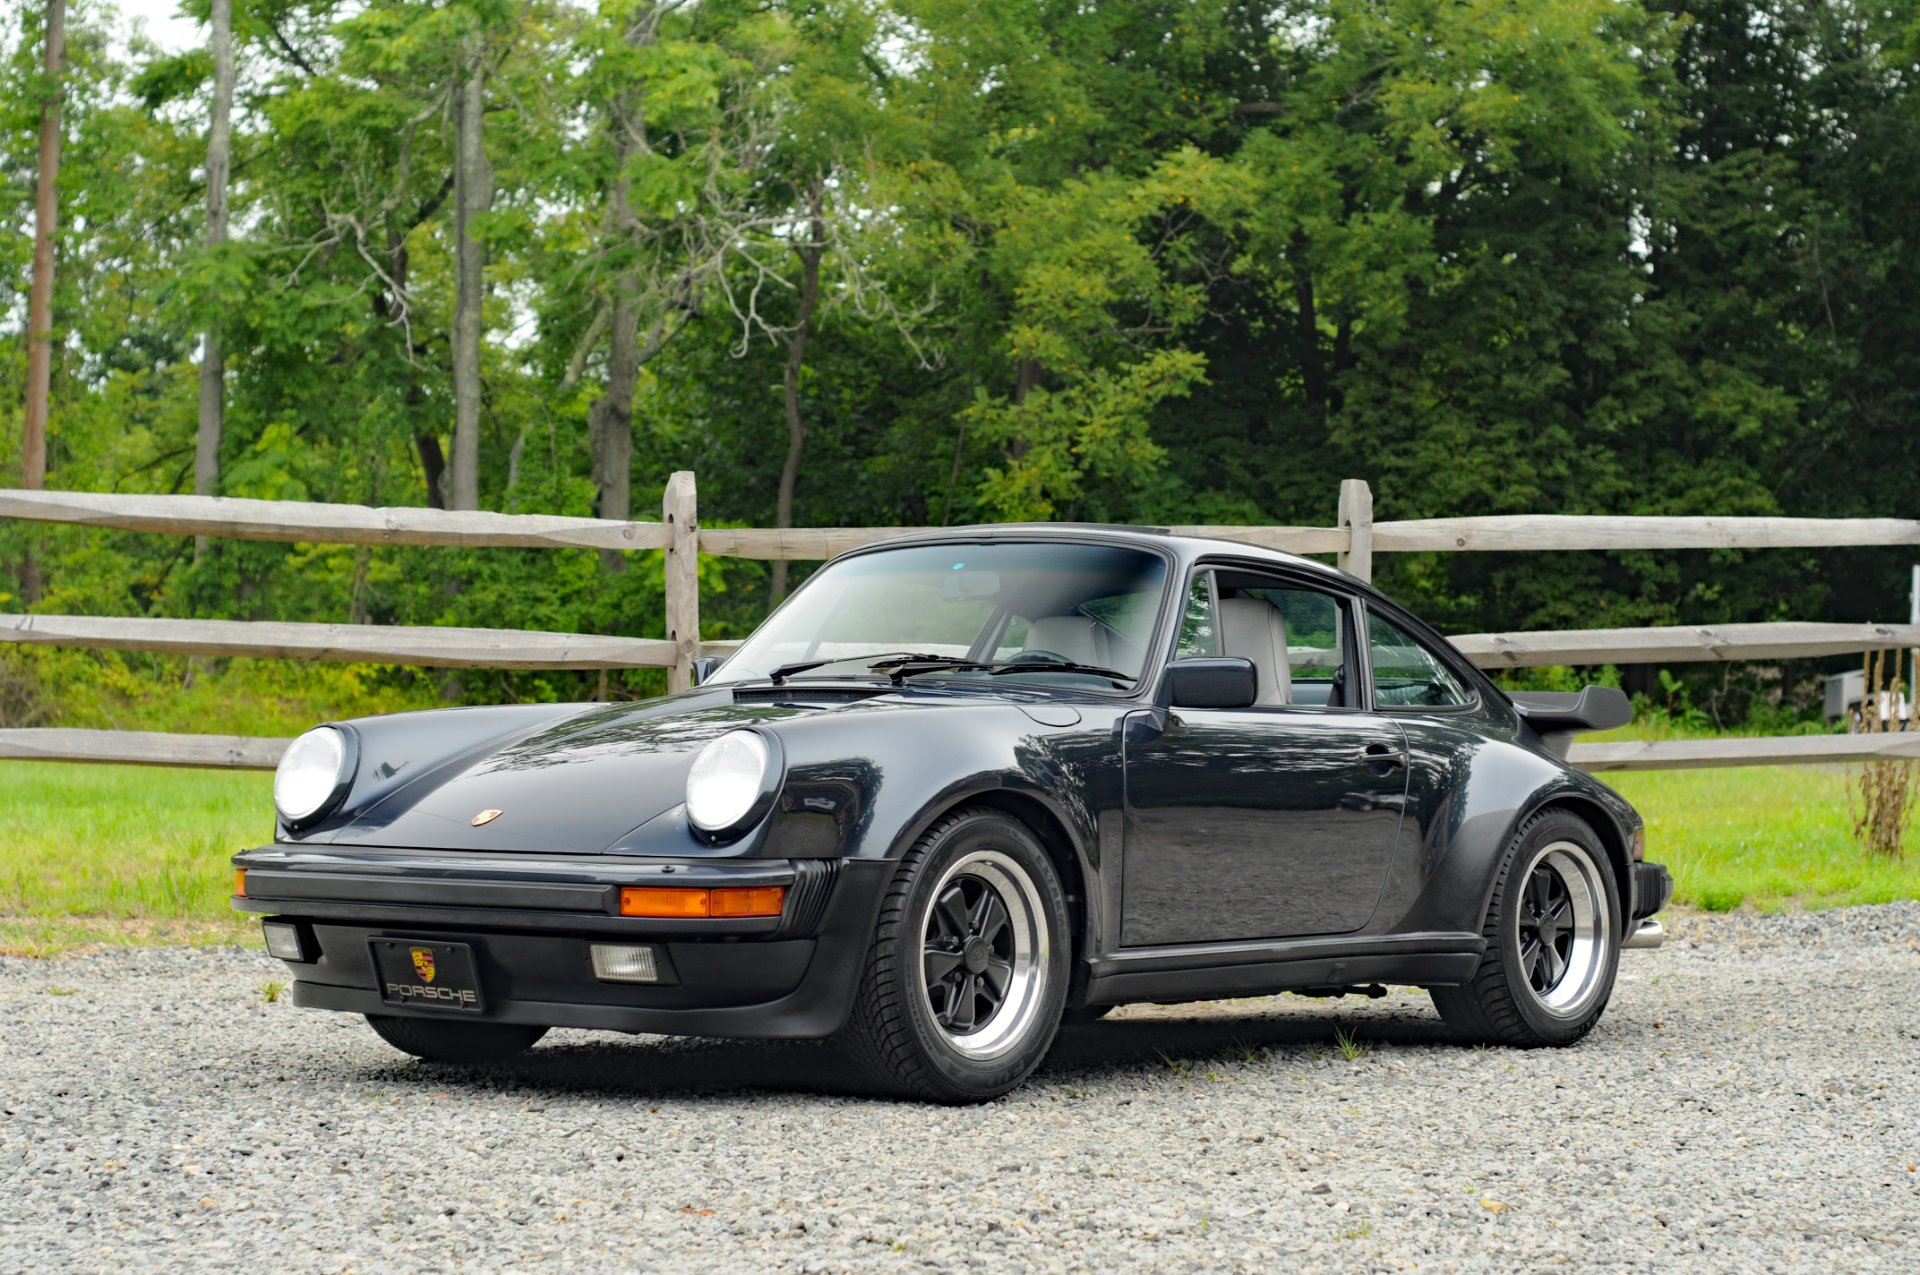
(963, 985)
(451, 1041)
(1553, 941)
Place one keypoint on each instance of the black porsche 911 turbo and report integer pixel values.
(961, 787)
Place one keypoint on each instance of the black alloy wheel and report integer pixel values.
(1546, 930)
(962, 990)
(968, 957)
(1554, 933)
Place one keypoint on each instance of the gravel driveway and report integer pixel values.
(1750, 1102)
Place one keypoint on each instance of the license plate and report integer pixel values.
(418, 974)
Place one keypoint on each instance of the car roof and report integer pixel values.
(1186, 548)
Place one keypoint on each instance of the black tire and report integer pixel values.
(452, 1041)
(1543, 981)
(917, 1028)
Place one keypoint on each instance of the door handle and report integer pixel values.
(1384, 755)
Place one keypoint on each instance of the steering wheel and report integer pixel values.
(1037, 656)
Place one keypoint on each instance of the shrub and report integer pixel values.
(1883, 792)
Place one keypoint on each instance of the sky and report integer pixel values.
(165, 25)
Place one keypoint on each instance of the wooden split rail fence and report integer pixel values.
(1354, 539)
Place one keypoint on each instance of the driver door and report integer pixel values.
(1270, 821)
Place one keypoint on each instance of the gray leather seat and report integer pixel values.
(1076, 637)
(1254, 629)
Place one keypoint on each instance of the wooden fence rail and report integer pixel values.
(343, 643)
(288, 520)
(240, 752)
(356, 524)
(446, 647)
(1680, 644)
(1355, 539)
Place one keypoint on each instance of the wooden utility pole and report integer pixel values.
(206, 452)
(46, 213)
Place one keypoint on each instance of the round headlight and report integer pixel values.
(727, 781)
(311, 774)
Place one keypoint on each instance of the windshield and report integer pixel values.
(991, 604)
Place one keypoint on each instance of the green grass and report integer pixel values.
(1762, 837)
(115, 854)
(126, 854)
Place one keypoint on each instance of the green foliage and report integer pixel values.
(1167, 260)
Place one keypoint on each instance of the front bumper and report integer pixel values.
(530, 918)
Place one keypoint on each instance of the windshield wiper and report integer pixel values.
(878, 660)
(1061, 666)
(900, 668)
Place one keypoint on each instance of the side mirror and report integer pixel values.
(704, 666)
(1223, 681)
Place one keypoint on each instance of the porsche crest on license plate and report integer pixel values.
(420, 974)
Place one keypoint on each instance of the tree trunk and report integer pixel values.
(433, 465)
(46, 212)
(810, 254)
(610, 419)
(472, 196)
(206, 451)
(1313, 374)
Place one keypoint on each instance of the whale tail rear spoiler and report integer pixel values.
(1557, 716)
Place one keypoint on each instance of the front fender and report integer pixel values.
(868, 785)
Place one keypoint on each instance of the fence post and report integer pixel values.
(1356, 517)
(683, 578)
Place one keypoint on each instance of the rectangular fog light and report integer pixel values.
(622, 964)
(284, 941)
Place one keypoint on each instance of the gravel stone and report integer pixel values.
(1751, 1102)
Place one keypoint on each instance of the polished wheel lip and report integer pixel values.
(1564, 924)
(999, 946)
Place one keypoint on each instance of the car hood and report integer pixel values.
(576, 784)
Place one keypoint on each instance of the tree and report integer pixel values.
(206, 460)
(472, 198)
(46, 214)
(809, 250)
(685, 125)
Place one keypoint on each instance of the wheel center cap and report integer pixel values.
(975, 955)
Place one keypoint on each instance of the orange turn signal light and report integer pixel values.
(240, 882)
(682, 902)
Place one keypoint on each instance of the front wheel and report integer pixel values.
(1553, 941)
(452, 1041)
(962, 988)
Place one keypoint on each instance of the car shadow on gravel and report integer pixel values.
(1128, 1048)
(1105, 1050)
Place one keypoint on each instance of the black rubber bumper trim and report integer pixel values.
(422, 916)
(764, 988)
(1652, 889)
(535, 892)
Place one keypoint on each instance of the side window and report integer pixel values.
(1296, 638)
(1405, 673)
(1196, 626)
(1316, 642)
